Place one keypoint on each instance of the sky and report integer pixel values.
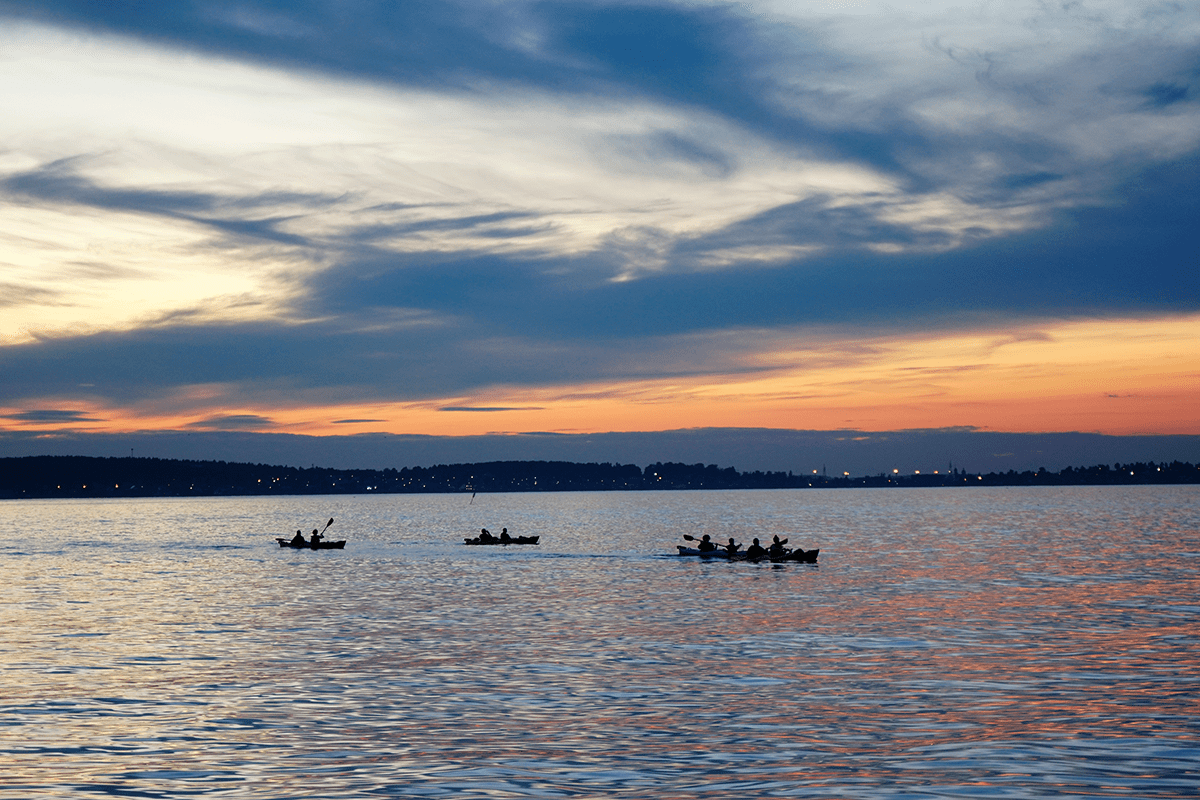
(519, 223)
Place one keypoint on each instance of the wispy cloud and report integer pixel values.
(227, 422)
(490, 408)
(51, 416)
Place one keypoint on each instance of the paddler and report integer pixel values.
(777, 549)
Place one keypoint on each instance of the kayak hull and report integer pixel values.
(339, 545)
(512, 540)
(802, 556)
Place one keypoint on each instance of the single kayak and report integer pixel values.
(804, 556)
(340, 545)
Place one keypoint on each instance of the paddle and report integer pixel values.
(693, 539)
(317, 536)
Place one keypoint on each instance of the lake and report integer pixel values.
(983, 642)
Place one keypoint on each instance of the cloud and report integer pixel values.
(16, 294)
(215, 201)
(890, 89)
(428, 325)
(491, 408)
(49, 416)
(232, 422)
(59, 182)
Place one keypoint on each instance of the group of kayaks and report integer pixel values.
(732, 551)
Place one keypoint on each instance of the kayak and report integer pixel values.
(804, 556)
(512, 540)
(692, 551)
(339, 545)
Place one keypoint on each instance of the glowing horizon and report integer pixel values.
(1054, 378)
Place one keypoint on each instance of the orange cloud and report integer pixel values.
(1107, 376)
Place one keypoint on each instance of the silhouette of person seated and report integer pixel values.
(299, 539)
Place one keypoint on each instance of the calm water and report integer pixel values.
(950, 643)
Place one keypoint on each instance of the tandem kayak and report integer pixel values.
(511, 540)
(340, 545)
(804, 556)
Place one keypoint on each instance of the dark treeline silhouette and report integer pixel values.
(81, 476)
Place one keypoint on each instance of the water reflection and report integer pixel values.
(1007, 642)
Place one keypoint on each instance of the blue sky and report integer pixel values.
(502, 218)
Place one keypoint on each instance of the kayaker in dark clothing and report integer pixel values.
(485, 536)
(706, 545)
(299, 539)
(504, 537)
(316, 538)
(777, 550)
(755, 550)
(732, 547)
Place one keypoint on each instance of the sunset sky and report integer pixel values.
(467, 219)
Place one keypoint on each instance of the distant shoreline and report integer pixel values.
(43, 477)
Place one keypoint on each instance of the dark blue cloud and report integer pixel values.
(51, 416)
(60, 183)
(564, 318)
(226, 422)
(397, 326)
(766, 76)
(1166, 94)
(429, 44)
(1132, 258)
(711, 57)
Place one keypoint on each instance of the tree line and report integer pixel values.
(84, 476)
